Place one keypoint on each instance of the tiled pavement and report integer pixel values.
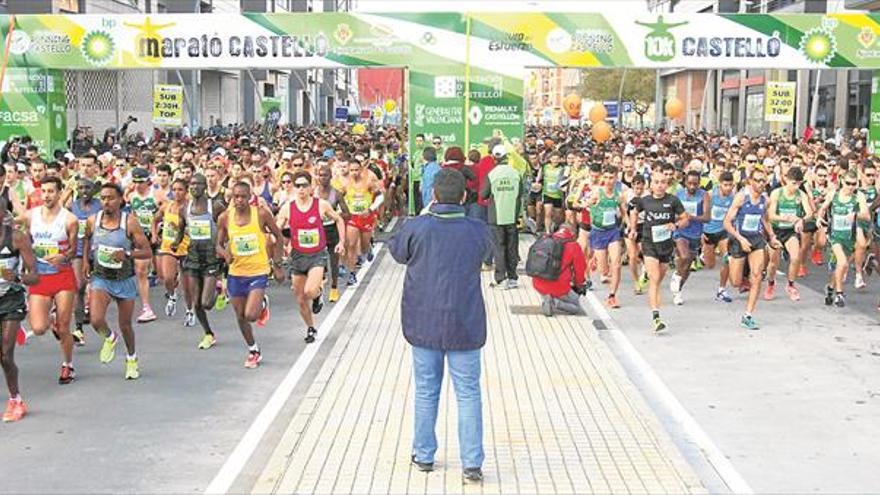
(560, 416)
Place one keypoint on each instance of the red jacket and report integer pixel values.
(482, 169)
(574, 266)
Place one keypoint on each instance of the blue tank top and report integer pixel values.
(82, 216)
(104, 244)
(693, 205)
(749, 218)
(719, 207)
(266, 194)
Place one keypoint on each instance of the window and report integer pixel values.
(269, 90)
(755, 113)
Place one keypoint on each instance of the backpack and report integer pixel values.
(545, 258)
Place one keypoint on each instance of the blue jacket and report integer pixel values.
(442, 306)
(428, 174)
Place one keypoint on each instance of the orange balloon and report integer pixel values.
(598, 113)
(572, 105)
(601, 131)
(674, 108)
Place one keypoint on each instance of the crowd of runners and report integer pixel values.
(212, 217)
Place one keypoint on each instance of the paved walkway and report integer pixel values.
(559, 414)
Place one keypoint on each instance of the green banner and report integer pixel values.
(34, 104)
(874, 129)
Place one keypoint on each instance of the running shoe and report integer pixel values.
(310, 334)
(829, 295)
(637, 289)
(131, 369)
(318, 303)
(605, 279)
(146, 315)
(769, 292)
(745, 286)
(334, 295)
(153, 280)
(360, 261)
(840, 300)
(221, 302)
(171, 305)
(793, 293)
(816, 257)
(67, 374)
(868, 267)
(612, 302)
(190, 319)
(802, 271)
(253, 359)
(721, 295)
(265, 314)
(352, 279)
(108, 350)
(15, 410)
(659, 326)
(21, 337)
(511, 284)
(643, 281)
(860, 281)
(79, 337)
(677, 299)
(748, 323)
(207, 341)
(675, 283)
(370, 255)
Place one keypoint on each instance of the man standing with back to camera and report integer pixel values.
(445, 320)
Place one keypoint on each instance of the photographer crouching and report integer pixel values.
(558, 269)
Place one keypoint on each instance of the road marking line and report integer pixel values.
(239, 457)
(696, 435)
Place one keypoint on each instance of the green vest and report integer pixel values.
(504, 181)
(788, 206)
(552, 176)
(841, 225)
(604, 213)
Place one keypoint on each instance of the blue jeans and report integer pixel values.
(464, 366)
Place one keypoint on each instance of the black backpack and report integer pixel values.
(545, 258)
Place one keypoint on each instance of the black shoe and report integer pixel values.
(472, 475)
(318, 303)
(310, 335)
(425, 467)
(839, 300)
(352, 279)
(829, 296)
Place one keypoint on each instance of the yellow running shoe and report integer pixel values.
(334, 295)
(207, 342)
(108, 350)
(131, 369)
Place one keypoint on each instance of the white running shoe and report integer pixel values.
(860, 281)
(675, 283)
(677, 299)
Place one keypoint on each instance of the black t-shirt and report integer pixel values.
(658, 212)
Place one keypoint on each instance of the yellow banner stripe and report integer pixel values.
(537, 27)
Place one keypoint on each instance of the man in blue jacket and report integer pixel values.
(444, 317)
(429, 173)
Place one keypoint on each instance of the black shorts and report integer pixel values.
(534, 198)
(662, 252)
(694, 244)
(13, 304)
(332, 234)
(735, 249)
(201, 260)
(783, 235)
(556, 202)
(300, 264)
(810, 227)
(714, 238)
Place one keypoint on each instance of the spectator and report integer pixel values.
(504, 189)
(428, 173)
(444, 317)
(561, 295)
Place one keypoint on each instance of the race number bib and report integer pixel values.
(81, 228)
(145, 219)
(200, 230)
(609, 217)
(751, 222)
(785, 212)
(308, 238)
(169, 232)
(106, 257)
(660, 233)
(690, 207)
(45, 249)
(245, 245)
(718, 213)
(359, 203)
(841, 223)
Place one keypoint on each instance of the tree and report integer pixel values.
(604, 84)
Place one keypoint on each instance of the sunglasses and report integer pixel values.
(300, 185)
(822, 176)
(751, 161)
(287, 182)
(760, 181)
(852, 184)
(297, 164)
(870, 176)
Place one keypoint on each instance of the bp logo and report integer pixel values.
(660, 43)
(97, 47)
(819, 44)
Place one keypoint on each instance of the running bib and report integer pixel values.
(751, 222)
(553, 188)
(308, 238)
(246, 245)
(609, 217)
(106, 257)
(787, 211)
(45, 249)
(200, 230)
(359, 203)
(81, 228)
(841, 223)
(145, 219)
(660, 233)
(169, 233)
(718, 213)
(690, 207)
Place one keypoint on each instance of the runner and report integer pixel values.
(746, 224)
(607, 207)
(363, 196)
(84, 206)
(113, 240)
(145, 203)
(18, 267)
(330, 194)
(53, 230)
(715, 241)
(309, 244)
(864, 228)
(170, 251)
(241, 241)
(201, 267)
(788, 210)
(696, 202)
(551, 176)
(814, 238)
(664, 214)
(845, 207)
(634, 246)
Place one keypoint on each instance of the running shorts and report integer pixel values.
(51, 284)
(600, 239)
(556, 202)
(662, 252)
(735, 248)
(237, 286)
(364, 223)
(201, 260)
(13, 304)
(694, 244)
(332, 235)
(119, 290)
(783, 235)
(300, 263)
(714, 238)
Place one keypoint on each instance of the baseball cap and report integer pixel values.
(221, 151)
(499, 151)
(140, 174)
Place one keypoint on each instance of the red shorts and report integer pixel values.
(51, 284)
(364, 223)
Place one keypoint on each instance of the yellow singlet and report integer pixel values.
(358, 200)
(247, 243)
(170, 226)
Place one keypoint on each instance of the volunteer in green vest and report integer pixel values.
(503, 188)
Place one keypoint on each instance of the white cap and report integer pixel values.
(69, 156)
(287, 155)
(654, 148)
(220, 151)
(499, 150)
(629, 149)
